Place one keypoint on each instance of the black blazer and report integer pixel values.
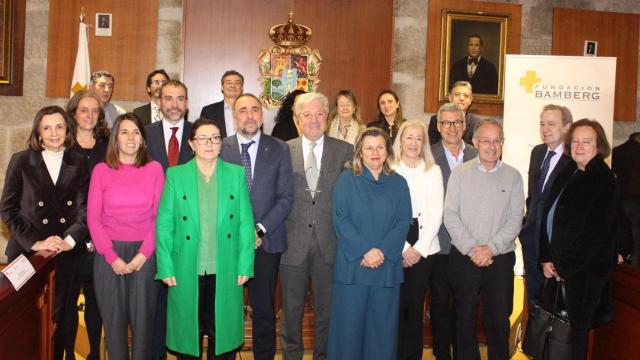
(584, 223)
(144, 113)
(34, 208)
(215, 112)
(484, 79)
(158, 150)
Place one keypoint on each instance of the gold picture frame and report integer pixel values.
(463, 31)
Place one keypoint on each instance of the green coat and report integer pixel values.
(177, 251)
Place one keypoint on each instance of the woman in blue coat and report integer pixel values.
(371, 216)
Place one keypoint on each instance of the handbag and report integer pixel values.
(414, 232)
(548, 332)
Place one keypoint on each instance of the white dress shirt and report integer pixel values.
(229, 123)
(317, 151)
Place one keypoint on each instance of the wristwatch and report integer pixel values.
(259, 231)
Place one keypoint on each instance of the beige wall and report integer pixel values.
(16, 113)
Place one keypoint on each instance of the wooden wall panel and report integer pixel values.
(354, 38)
(617, 36)
(434, 34)
(130, 54)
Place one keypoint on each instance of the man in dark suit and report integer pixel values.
(317, 162)
(222, 112)
(476, 69)
(267, 163)
(449, 152)
(460, 93)
(625, 160)
(167, 142)
(547, 160)
(151, 112)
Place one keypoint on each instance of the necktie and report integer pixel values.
(544, 170)
(311, 171)
(174, 148)
(245, 159)
(472, 61)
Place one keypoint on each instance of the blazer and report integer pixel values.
(158, 150)
(34, 208)
(484, 79)
(144, 113)
(177, 252)
(272, 191)
(437, 150)
(434, 134)
(215, 112)
(314, 211)
(530, 233)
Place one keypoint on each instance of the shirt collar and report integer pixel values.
(306, 142)
(482, 169)
(559, 149)
(244, 140)
(167, 125)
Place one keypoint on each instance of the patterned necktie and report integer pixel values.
(245, 159)
(157, 116)
(544, 170)
(174, 148)
(312, 172)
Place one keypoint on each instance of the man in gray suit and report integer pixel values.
(317, 162)
(449, 152)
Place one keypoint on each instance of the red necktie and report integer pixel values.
(174, 148)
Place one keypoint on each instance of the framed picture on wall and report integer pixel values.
(473, 49)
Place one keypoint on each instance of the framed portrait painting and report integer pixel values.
(473, 49)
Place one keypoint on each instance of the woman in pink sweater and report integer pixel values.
(121, 213)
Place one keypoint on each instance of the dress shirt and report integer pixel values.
(253, 149)
(317, 151)
(559, 150)
(471, 68)
(229, 123)
(166, 129)
(452, 160)
(155, 109)
(483, 169)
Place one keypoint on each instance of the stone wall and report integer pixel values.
(16, 114)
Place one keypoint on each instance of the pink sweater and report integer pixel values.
(122, 206)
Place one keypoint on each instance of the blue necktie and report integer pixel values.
(246, 162)
(544, 170)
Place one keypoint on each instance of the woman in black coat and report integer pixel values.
(44, 207)
(578, 243)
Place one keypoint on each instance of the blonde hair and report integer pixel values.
(425, 153)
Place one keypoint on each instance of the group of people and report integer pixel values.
(162, 222)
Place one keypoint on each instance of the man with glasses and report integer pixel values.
(317, 162)
(102, 83)
(449, 152)
(151, 112)
(461, 94)
(483, 212)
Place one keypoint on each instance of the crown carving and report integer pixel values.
(290, 35)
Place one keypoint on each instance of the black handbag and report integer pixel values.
(548, 332)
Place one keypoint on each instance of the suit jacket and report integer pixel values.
(314, 211)
(215, 112)
(144, 113)
(530, 233)
(178, 251)
(272, 191)
(434, 134)
(157, 149)
(624, 162)
(484, 79)
(34, 208)
(437, 150)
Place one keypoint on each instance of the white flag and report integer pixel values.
(82, 69)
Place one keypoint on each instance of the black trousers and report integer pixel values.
(412, 295)
(443, 316)
(262, 294)
(65, 308)
(207, 319)
(495, 285)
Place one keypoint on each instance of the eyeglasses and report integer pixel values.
(204, 140)
(447, 123)
(487, 142)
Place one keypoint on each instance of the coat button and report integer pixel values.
(228, 236)
(310, 225)
(184, 218)
(40, 203)
(188, 237)
(45, 221)
(62, 221)
(231, 216)
(231, 197)
(184, 197)
(69, 203)
(313, 203)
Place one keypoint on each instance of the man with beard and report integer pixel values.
(151, 112)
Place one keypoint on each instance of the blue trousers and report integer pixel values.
(363, 322)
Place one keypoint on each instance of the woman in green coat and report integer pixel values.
(205, 237)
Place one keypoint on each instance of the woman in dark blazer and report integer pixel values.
(91, 136)
(578, 244)
(390, 113)
(44, 207)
